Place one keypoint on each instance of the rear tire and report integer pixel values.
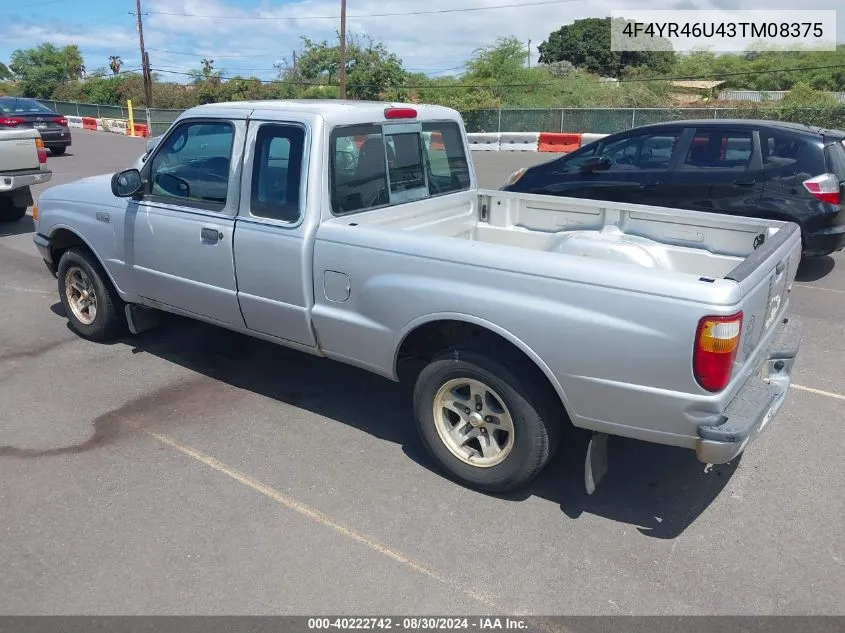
(58, 151)
(9, 212)
(514, 411)
(93, 308)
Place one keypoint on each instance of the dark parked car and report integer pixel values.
(762, 169)
(18, 112)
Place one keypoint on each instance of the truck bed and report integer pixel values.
(18, 151)
(691, 243)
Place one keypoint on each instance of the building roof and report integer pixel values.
(697, 85)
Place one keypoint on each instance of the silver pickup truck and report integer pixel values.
(23, 163)
(355, 231)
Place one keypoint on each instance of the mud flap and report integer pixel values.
(595, 465)
(140, 318)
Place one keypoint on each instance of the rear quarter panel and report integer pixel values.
(618, 351)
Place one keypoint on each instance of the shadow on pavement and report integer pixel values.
(815, 268)
(660, 490)
(24, 225)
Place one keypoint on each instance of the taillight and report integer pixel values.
(716, 344)
(825, 188)
(42, 153)
(61, 121)
(10, 121)
(400, 113)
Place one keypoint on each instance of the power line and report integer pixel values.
(363, 15)
(161, 50)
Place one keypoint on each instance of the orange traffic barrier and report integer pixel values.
(436, 141)
(559, 143)
(89, 123)
(141, 130)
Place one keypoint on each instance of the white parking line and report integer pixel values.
(812, 287)
(313, 514)
(820, 392)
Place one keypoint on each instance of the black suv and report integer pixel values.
(762, 169)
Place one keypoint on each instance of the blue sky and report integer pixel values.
(250, 36)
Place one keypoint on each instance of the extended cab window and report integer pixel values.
(359, 168)
(372, 166)
(192, 165)
(277, 172)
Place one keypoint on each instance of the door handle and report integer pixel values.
(651, 184)
(211, 235)
(744, 183)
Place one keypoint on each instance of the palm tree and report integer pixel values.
(207, 66)
(115, 63)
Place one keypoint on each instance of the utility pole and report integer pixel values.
(145, 59)
(529, 52)
(294, 63)
(342, 70)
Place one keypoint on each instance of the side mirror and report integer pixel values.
(126, 183)
(596, 163)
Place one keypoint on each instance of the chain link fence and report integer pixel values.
(595, 120)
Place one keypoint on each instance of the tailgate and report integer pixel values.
(765, 278)
(18, 151)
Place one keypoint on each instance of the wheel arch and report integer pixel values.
(63, 238)
(459, 328)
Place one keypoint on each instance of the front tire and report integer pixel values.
(484, 420)
(93, 308)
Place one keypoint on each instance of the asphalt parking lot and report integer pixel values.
(190, 470)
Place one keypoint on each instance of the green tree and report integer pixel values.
(5, 73)
(74, 62)
(372, 71)
(586, 44)
(43, 68)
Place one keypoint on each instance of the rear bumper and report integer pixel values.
(824, 242)
(55, 138)
(756, 403)
(12, 181)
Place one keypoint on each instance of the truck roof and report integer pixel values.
(333, 111)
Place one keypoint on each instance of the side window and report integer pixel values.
(836, 159)
(719, 149)
(789, 158)
(645, 151)
(573, 161)
(448, 169)
(277, 173)
(192, 165)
